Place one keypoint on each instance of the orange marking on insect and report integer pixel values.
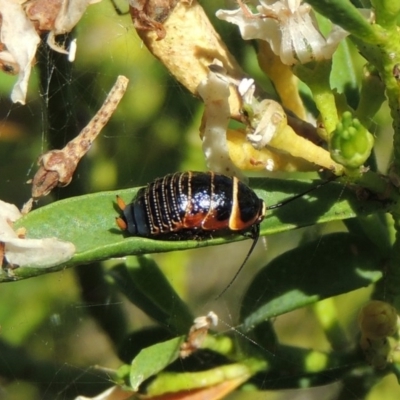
(212, 223)
(193, 220)
(121, 223)
(121, 203)
(235, 220)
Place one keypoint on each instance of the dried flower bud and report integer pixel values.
(377, 320)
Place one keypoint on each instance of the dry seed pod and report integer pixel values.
(181, 36)
(58, 166)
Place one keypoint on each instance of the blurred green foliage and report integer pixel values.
(55, 327)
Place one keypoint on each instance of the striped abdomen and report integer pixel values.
(192, 204)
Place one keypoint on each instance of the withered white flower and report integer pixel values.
(37, 253)
(21, 40)
(214, 90)
(266, 117)
(70, 14)
(289, 27)
(247, 88)
(269, 117)
(198, 333)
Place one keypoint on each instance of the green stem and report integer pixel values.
(316, 76)
(376, 183)
(384, 58)
(386, 12)
(344, 14)
(392, 279)
(326, 313)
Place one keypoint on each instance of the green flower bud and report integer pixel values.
(350, 143)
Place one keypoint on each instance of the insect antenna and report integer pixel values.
(255, 234)
(297, 196)
(255, 231)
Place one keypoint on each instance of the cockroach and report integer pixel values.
(192, 205)
(195, 206)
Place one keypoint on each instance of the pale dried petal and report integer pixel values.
(198, 333)
(9, 211)
(21, 40)
(336, 35)
(214, 91)
(113, 393)
(38, 253)
(289, 27)
(8, 214)
(269, 118)
(301, 41)
(70, 14)
(250, 28)
(247, 89)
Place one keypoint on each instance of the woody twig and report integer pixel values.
(57, 167)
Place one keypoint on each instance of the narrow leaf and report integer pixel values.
(335, 264)
(153, 359)
(236, 373)
(89, 221)
(146, 286)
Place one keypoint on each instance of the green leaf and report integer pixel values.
(372, 95)
(291, 367)
(89, 221)
(345, 73)
(155, 296)
(176, 382)
(335, 264)
(153, 359)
